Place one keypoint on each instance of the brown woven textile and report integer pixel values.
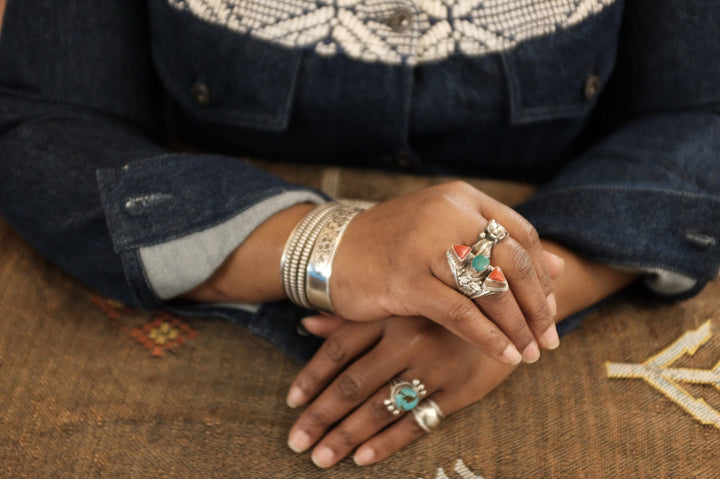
(81, 395)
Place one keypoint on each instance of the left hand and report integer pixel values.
(348, 379)
(357, 361)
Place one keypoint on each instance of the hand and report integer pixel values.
(392, 262)
(358, 360)
(348, 379)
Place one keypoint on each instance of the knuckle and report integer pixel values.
(346, 438)
(527, 233)
(492, 337)
(541, 312)
(461, 186)
(461, 314)
(334, 349)
(349, 388)
(523, 263)
(308, 383)
(435, 202)
(316, 419)
(520, 328)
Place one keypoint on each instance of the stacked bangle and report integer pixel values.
(306, 263)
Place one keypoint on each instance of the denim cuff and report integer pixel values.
(643, 229)
(167, 199)
(177, 266)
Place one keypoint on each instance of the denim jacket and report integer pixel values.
(613, 107)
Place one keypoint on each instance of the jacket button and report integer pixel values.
(591, 87)
(401, 20)
(201, 93)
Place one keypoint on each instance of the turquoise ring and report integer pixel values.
(404, 395)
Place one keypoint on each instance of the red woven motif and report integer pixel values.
(163, 332)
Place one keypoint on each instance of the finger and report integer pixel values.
(322, 325)
(406, 430)
(462, 316)
(351, 388)
(504, 309)
(332, 357)
(400, 434)
(522, 278)
(523, 232)
(556, 264)
(365, 422)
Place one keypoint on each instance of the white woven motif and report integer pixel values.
(363, 29)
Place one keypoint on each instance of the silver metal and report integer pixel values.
(305, 249)
(493, 234)
(404, 395)
(474, 276)
(319, 266)
(291, 257)
(428, 415)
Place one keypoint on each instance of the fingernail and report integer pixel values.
(531, 353)
(550, 337)
(295, 397)
(511, 355)
(302, 330)
(323, 457)
(552, 303)
(558, 260)
(299, 441)
(364, 457)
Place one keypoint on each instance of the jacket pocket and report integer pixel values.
(561, 74)
(222, 76)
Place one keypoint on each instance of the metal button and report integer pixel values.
(591, 87)
(201, 93)
(401, 20)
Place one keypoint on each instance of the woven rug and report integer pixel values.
(91, 389)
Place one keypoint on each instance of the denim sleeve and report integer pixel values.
(646, 195)
(84, 178)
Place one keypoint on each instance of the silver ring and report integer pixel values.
(428, 415)
(474, 276)
(404, 395)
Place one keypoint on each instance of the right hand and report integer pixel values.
(391, 262)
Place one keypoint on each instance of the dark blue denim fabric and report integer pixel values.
(90, 90)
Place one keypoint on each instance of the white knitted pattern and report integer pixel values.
(362, 28)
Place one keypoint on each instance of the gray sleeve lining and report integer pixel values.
(179, 265)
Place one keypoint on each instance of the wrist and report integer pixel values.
(584, 282)
(251, 273)
(309, 253)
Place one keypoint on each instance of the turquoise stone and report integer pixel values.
(480, 262)
(407, 399)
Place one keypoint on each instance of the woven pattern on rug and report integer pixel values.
(83, 396)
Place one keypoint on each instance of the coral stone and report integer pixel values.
(461, 251)
(497, 275)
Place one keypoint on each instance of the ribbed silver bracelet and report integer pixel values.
(319, 267)
(311, 246)
(289, 265)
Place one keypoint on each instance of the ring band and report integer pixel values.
(428, 415)
(404, 395)
(474, 276)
